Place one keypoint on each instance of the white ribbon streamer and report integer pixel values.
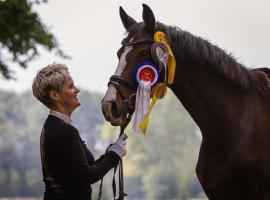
(141, 105)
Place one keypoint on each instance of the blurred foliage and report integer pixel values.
(161, 164)
(20, 121)
(22, 32)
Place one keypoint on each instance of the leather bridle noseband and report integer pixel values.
(116, 81)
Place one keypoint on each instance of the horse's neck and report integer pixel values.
(208, 98)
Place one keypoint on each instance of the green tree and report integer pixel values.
(19, 146)
(162, 181)
(21, 33)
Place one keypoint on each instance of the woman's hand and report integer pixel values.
(119, 147)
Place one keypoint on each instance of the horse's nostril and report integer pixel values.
(114, 110)
(111, 112)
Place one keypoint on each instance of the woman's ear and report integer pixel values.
(54, 95)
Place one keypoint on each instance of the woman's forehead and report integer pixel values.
(68, 79)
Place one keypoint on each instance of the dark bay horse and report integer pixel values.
(229, 103)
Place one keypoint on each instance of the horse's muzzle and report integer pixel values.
(111, 113)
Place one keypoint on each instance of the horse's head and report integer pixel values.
(140, 57)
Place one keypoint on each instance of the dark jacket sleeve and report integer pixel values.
(69, 162)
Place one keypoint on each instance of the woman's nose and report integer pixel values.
(77, 90)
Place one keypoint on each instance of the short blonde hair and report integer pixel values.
(47, 79)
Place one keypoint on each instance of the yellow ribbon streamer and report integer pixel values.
(159, 91)
(161, 37)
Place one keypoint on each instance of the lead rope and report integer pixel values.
(121, 192)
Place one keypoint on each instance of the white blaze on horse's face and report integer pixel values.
(122, 61)
(122, 64)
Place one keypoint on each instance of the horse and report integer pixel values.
(229, 102)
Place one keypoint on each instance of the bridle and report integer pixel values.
(117, 80)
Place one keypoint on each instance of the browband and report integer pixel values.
(137, 42)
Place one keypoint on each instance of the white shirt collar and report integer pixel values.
(61, 116)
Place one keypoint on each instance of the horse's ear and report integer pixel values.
(149, 19)
(126, 20)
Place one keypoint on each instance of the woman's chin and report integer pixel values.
(76, 104)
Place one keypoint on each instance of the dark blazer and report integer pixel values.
(69, 168)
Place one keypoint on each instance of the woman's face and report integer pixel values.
(68, 95)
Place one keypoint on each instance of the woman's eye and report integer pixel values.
(71, 86)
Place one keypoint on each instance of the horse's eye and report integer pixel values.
(144, 52)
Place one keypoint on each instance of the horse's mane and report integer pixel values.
(192, 49)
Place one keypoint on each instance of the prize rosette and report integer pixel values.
(146, 71)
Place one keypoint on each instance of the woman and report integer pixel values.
(69, 168)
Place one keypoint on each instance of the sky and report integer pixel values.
(90, 31)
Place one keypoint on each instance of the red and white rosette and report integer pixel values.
(147, 72)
